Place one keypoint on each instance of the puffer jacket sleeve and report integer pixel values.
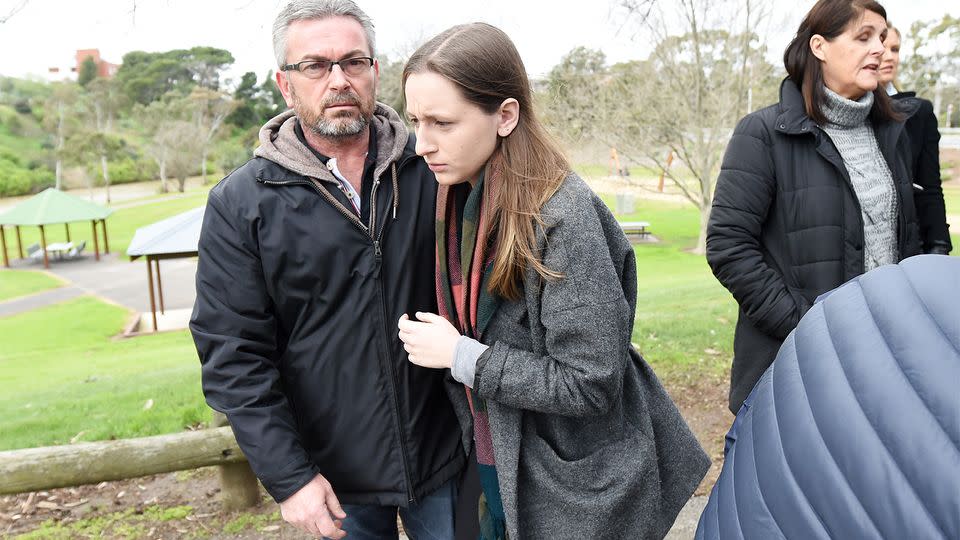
(743, 197)
(234, 330)
(586, 322)
(931, 211)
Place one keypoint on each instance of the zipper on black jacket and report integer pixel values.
(377, 238)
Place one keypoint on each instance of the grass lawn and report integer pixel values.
(685, 318)
(63, 374)
(64, 378)
(120, 225)
(14, 283)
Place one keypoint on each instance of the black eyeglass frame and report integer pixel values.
(296, 67)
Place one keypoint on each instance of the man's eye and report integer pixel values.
(313, 67)
(357, 62)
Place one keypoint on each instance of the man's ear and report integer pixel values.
(507, 116)
(284, 85)
(817, 45)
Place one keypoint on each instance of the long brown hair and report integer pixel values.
(829, 18)
(484, 64)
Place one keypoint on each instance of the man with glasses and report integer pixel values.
(309, 254)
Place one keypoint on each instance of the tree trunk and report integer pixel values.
(203, 166)
(59, 169)
(51, 467)
(106, 174)
(701, 248)
(163, 176)
(182, 181)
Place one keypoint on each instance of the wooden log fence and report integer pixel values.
(35, 469)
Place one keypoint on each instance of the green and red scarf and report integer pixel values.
(465, 255)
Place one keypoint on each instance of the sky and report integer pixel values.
(46, 33)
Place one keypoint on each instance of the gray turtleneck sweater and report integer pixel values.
(851, 132)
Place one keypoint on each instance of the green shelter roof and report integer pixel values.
(53, 206)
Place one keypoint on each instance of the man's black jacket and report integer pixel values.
(296, 322)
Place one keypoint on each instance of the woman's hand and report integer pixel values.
(429, 342)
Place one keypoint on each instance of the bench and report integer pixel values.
(635, 227)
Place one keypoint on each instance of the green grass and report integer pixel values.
(685, 318)
(64, 374)
(14, 283)
(121, 225)
(951, 198)
(64, 378)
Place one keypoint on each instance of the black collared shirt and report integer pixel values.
(366, 181)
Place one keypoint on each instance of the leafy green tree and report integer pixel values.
(209, 109)
(95, 150)
(145, 76)
(88, 71)
(60, 119)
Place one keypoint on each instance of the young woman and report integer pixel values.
(813, 191)
(924, 153)
(536, 284)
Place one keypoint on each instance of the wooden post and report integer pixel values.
(238, 485)
(43, 246)
(106, 242)
(153, 304)
(34, 469)
(67, 227)
(3, 245)
(96, 244)
(159, 284)
(19, 241)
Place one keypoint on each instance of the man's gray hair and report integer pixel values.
(305, 10)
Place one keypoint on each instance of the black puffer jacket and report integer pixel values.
(786, 225)
(925, 162)
(296, 322)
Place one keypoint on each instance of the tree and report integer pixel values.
(256, 103)
(685, 98)
(388, 89)
(574, 87)
(161, 121)
(145, 77)
(177, 138)
(60, 118)
(88, 71)
(933, 66)
(105, 147)
(209, 109)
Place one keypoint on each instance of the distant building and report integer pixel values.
(69, 71)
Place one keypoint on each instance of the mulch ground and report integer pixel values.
(186, 504)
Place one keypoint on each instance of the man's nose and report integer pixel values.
(337, 79)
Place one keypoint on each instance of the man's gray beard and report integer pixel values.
(338, 128)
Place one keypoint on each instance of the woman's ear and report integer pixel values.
(507, 116)
(817, 45)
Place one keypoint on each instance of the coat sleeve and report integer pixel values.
(586, 323)
(931, 210)
(744, 194)
(234, 329)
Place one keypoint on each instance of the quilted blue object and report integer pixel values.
(854, 430)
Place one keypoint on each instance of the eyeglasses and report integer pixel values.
(318, 69)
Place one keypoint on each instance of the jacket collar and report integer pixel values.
(792, 118)
(280, 144)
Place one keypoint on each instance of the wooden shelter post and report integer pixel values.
(156, 261)
(66, 226)
(106, 242)
(43, 246)
(153, 303)
(96, 244)
(3, 245)
(19, 241)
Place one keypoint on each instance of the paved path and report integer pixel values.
(113, 279)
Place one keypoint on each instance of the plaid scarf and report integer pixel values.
(465, 256)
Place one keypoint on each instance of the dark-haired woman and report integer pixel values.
(814, 190)
(924, 154)
(536, 285)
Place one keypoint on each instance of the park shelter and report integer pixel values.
(53, 207)
(171, 238)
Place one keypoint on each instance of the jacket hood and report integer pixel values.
(279, 143)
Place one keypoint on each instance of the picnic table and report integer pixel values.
(59, 249)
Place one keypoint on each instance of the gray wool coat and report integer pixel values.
(587, 442)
